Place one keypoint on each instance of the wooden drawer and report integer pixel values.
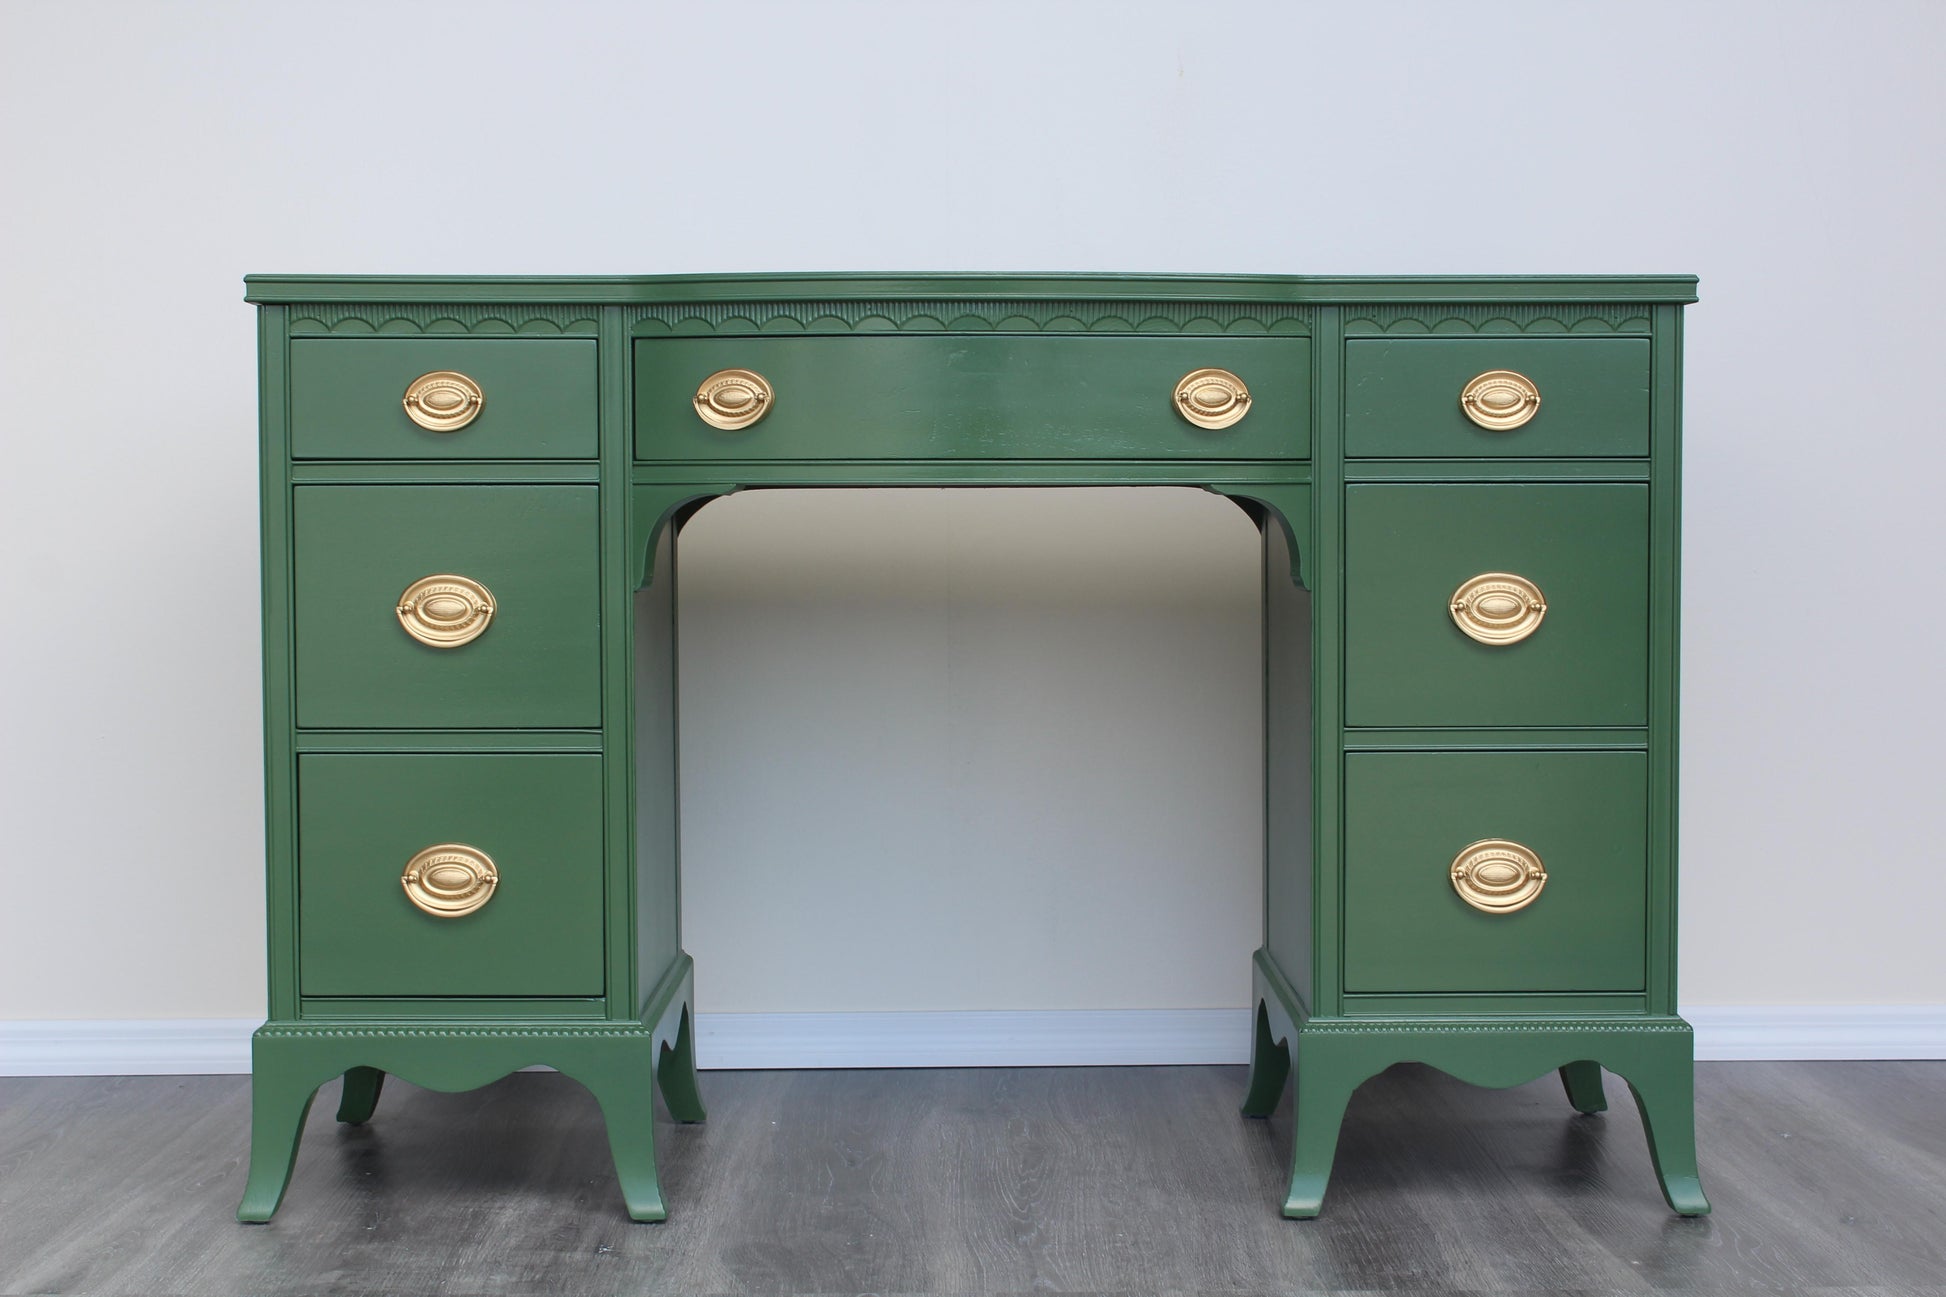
(363, 817)
(1402, 397)
(348, 398)
(1410, 549)
(1409, 815)
(534, 549)
(980, 397)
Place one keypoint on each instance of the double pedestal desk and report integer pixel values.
(472, 492)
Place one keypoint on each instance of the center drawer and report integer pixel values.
(447, 607)
(531, 823)
(972, 397)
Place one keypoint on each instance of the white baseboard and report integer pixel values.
(142, 1047)
(1081, 1037)
(1045, 1038)
(1818, 1031)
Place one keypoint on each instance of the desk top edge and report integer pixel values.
(644, 290)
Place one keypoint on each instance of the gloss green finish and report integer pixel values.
(347, 398)
(362, 816)
(538, 663)
(1332, 1057)
(1407, 930)
(1409, 547)
(1019, 400)
(1044, 292)
(1402, 397)
(621, 1063)
(957, 397)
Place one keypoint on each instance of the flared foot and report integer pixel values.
(1582, 1081)
(1319, 1111)
(360, 1097)
(278, 1107)
(1667, 1103)
(1270, 1068)
(675, 1071)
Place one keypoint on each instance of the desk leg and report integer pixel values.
(280, 1100)
(1270, 1068)
(360, 1097)
(1582, 1081)
(675, 1070)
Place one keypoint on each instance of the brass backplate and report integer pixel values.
(1212, 398)
(1498, 876)
(450, 879)
(443, 401)
(1500, 399)
(733, 398)
(446, 611)
(1498, 608)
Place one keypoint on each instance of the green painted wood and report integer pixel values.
(413, 472)
(280, 704)
(362, 817)
(535, 547)
(1408, 548)
(1470, 740)
(621, 1063)
(448, 740)
(1407, 814)
(1402, 397)
(359, 1098)
(1289, 750)
(1665, 657)
(969, 381)
(1498, 469)
(1333, 1056)
(351, 1008)
(347, 398)
(657, 908)
(957, 397)
(1325, 991)
(591, 289)
(1520, 1004)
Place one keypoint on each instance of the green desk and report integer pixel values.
(473, 491)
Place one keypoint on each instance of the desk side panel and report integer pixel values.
(657, 828)
(1287, 765)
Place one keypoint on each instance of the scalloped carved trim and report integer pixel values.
(1620, 317)
(1231, 318)
(398, 320)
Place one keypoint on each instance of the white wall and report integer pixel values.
(1789, 153)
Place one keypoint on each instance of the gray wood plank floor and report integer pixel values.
(1826, 1177)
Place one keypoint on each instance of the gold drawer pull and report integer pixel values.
(450, 879)
(443, 401)
(1496, 876)
(1498, 608)
(1212, 398)
(733, 398)
(446, 611)
(1500, 399)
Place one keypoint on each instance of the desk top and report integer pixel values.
(643, 289)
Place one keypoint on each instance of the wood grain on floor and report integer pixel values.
(1826, 1177)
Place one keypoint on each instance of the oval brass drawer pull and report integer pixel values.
(1498, 608)
(1500, 399)
(1497, 876)
(450, 879)
(734, 398)
(1212, 398)
(443, 401)
(446, 611)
